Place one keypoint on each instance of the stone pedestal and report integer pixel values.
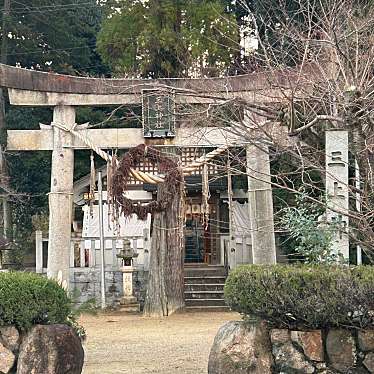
(128, 303)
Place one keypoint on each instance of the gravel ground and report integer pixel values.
(132, 344)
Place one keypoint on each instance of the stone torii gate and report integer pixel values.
(63, 93)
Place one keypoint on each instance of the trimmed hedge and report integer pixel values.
(305, 297)
(27, 299)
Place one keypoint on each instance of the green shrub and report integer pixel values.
(27, 299)
(302, 296)
(313, 239)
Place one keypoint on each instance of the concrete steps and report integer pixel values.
(127, 305)
(203, 287)
(205, 279)
(206, 271)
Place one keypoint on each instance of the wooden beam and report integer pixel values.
(42, 140)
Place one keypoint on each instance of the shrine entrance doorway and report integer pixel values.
(201, 232)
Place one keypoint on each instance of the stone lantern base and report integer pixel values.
(129, 304)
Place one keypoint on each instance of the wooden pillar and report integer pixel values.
(60, 197)
(260, 201)
(337, 188)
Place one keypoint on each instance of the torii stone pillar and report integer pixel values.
(260, 201)
(337, 188)
(61, 196)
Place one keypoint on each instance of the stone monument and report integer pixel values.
(128, 303)
(337, 189)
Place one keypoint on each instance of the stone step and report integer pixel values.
(203, 295)
(203, 286)
(129, 308)
(204, 302)
(207, 308)
(204, 271)
(202, 266)
(215, 279)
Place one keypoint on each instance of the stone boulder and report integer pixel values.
(341, 350)
(366, 340)
(369, 362)
(279, 336)
(9, 337)
(241, 348)
(310, 342)
(50, 349)
(289, 360)
(7, 359)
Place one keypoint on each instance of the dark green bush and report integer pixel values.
(311, 297)
(27, 299)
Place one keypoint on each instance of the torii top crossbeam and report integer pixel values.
(30, 87)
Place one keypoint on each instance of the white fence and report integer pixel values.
(85, 252)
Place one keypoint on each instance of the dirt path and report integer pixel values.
(132, 344)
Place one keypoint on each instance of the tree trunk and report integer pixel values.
(165, 291)
(363, 228)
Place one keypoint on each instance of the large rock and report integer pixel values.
(289, 360)
(7, 359)
(310, 342)
(278, 336)
(239, 348)
(369, 362)
(341, 350)
(53, 349)
(366, 340)
(9, 337)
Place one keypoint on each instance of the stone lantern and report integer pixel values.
(127, 254)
